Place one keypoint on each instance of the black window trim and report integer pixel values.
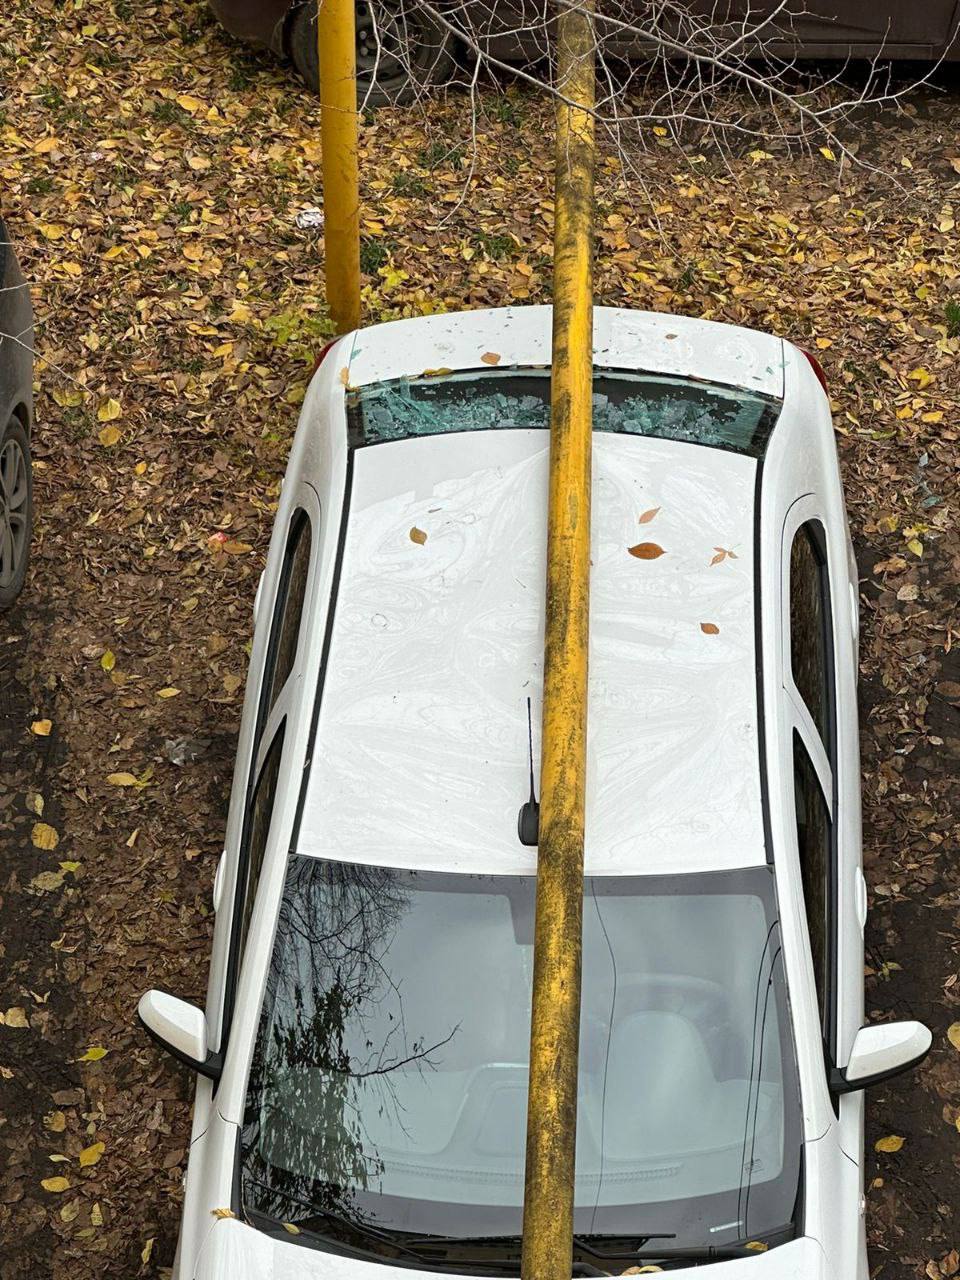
(299, 518)
(813, 529)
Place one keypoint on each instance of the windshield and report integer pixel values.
(625, 403)
(390, 1074)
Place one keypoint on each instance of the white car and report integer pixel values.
(363, 1053)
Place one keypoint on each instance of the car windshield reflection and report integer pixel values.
(390, 1073)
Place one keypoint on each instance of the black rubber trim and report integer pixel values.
(325, 654)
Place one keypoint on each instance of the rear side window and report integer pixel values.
(815, 843)
(809, 613)
(288, 610)
(623, 403)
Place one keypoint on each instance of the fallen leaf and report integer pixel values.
(417, 536)
(490, 357)
(90, 1155)
(55, 1184)
(94, 1054)
(169, 692)
(41, 728)
(108, 661)
(121, 779)
(147, 1249)
(15, 1017)
(646, 551)
(47, 881)
(709, 628)
(43, 836)
(108, 436)
(648, 515)
(292, 1228)
(889, 1144)
(723, 554)
(109, 410)
(223, 1213)
(953, 1035)
(55, 1121)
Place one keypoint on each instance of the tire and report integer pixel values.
(415, 52)
(16, 511)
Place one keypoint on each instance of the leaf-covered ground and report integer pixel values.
(152, 174)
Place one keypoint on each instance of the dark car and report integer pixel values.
(401, 46)
(16, 422)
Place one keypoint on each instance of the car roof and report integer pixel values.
(420, 756)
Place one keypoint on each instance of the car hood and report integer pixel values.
(235, 1251)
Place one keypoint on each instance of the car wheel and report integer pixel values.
(16, 511)
(399, 52)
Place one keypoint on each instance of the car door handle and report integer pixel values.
(218, 881)
(861, 898)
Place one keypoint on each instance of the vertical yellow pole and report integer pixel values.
(555, 1032)
(336, 42)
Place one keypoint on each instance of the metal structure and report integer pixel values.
(555, 1030)
(336, 44)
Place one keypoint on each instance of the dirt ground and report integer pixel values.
(152, 174)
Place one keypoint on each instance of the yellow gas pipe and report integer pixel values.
(337, 48)
(555, 1031)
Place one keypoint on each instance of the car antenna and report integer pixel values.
(528, 820)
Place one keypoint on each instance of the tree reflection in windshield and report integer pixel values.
(333, 1018)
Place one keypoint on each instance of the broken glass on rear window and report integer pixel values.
(623, 403)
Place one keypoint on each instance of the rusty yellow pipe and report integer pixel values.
(555, 1031)
(337, 47)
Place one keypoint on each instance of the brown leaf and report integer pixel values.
(646, 551)
(490, 357)
(418, 536)
(648, 515)
(709, 628)
(41, 728)
(722, 554)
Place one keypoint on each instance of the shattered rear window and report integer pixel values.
(624, 403)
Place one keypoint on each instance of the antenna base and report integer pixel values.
(528, 823)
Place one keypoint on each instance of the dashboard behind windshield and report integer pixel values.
(390, 1074)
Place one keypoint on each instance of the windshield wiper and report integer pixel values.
(364, 1230)
(639, 1241)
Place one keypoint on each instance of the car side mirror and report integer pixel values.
(881, 1051)
(181, 1029)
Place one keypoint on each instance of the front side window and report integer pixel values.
(814, 843)
(389, 1083)
(624, 403)
(809, 612)
(261, 812)
(253, 845)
